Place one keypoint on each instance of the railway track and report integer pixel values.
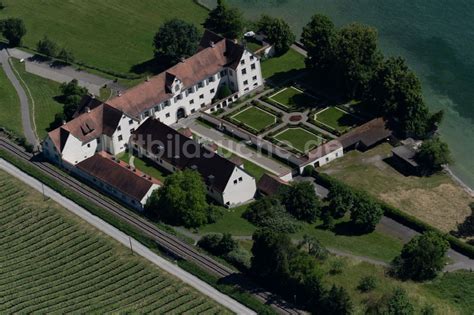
(167, 241)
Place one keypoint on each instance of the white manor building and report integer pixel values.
(167, 97)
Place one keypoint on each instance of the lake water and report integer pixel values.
(435, 36)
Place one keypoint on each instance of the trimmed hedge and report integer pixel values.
(242, 125)
(312, 121)
(277, 105)
(399, 216)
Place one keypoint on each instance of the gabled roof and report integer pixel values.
(368, 134)
(103, 119)
(118, 175)
(206, 62)
(270, 185)
(182, 152)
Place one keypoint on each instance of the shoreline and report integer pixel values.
(459, 181)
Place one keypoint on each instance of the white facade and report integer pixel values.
(240, 188)
(325, 159)
(187, 100)
(131, 201)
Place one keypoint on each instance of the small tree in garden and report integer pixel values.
(66, 55)
(225, 21)
(13, 29)
(47, 47)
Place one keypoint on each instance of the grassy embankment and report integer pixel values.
(55, 262)
(10, 115)
(43, 103)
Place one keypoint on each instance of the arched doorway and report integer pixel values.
(180, 113)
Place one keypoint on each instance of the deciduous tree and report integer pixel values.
(13, 29)
(421, 258)
(366, 213)
(301, 201)
(319, 38)
(433, 154)
(278, 33)
(225, 21)
(174, 40)
(47, 47)
(181, 200)
(356, 58)
(71, 97)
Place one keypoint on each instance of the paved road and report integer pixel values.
(64, 74)
(458, 261)
(28, 129)
(125, 240)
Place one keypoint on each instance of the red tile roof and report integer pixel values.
(368, 134)
(103, 119)
(206, 62)
(118, 174)
(270, 185)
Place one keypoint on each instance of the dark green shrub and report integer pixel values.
(367, 283)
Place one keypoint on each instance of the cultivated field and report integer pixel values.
(10, 115)
(255, 118)
(293, 99)
(109, 34)
(299, 138)
(52, 262)
(336, 119)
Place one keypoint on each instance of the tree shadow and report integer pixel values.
(280, 78)
(152, 66)
(347, 229)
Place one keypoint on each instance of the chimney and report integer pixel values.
(183, 60)
(88, 109)
(119, 93)
(64, 122)
(211, 43)
(210, 179)
(147, 78)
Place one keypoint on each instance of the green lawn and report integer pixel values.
(300, 139)
(353, 270)
(375, 245)
(457, 287)
(108, 34)
(283, 68)
(232, 222)
(336, 119)
(53, 262)
(146, 166)
(255, 118)
(294, 99)
(43, 92)
(10, 115)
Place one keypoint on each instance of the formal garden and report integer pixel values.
(301, 139)
(255, 118)
(336, 119)
(292, 99)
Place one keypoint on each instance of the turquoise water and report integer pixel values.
(435, 36)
